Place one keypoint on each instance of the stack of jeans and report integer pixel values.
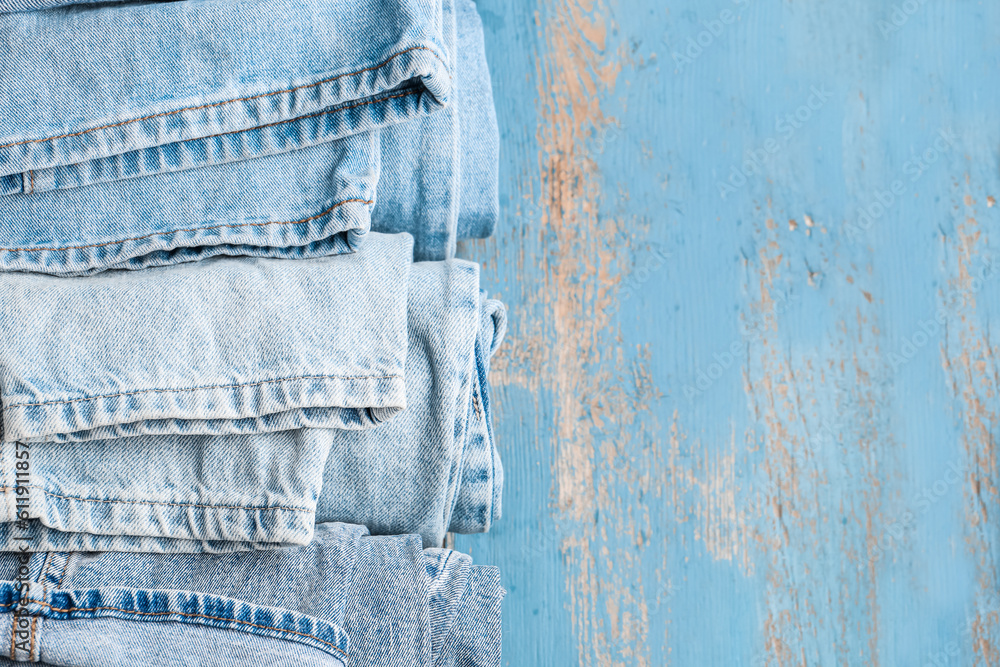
(243, 379)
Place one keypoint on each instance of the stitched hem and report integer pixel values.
(418, 62)
(222, 148)
(367, 202)
(337, 229)
(140, 518)
(40, 539)
(476, 492)
(162, 605)
(320, 401)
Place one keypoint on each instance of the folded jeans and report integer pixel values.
(231, 345)
(295, 192)
(183, 487)
(347, 598)
(144, 134)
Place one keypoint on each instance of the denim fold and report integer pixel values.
(432, 468)
(281, 158)
(232, 345)
(439, 172)
(346, 599)
(263, 139)
(133, 89)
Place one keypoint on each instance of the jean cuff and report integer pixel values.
(156, 352)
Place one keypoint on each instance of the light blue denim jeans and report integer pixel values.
(169, 428)
(346, 599)
(232, 345)
(266, 138)
(439, 181)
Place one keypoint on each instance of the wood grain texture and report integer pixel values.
(748, 404)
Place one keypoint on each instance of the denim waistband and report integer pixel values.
(346, 598)
(430, 469)
(156, 352)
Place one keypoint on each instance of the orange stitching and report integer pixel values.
(179, 613)
(156, 502)
(196, 229)
(298, 118)
(13, 635)
(31, 649)
(211, 386)
(239, 99)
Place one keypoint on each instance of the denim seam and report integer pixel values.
(45, 563)
(239, 99)
(42, 574)
(159, 502)
(201, 388)
(179, 613)
(475, 401)
(317, 114)
(62, 575)
(194, 229)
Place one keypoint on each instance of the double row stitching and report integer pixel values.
(64, 570)
(198, 229)
(212, 386)
(324, 112)
(259, 127)
(157, 502)
(239, 99)
(179, 613)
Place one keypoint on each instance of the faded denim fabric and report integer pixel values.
(439, 181)
(100, 95)
(480, 137)
(232, 345)
(346, 599)
(431, 468)
(148, 195)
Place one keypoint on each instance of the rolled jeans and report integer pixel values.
(170, 428)
(147, 134)
(346, 599)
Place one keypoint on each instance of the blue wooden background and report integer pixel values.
(748, 402)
